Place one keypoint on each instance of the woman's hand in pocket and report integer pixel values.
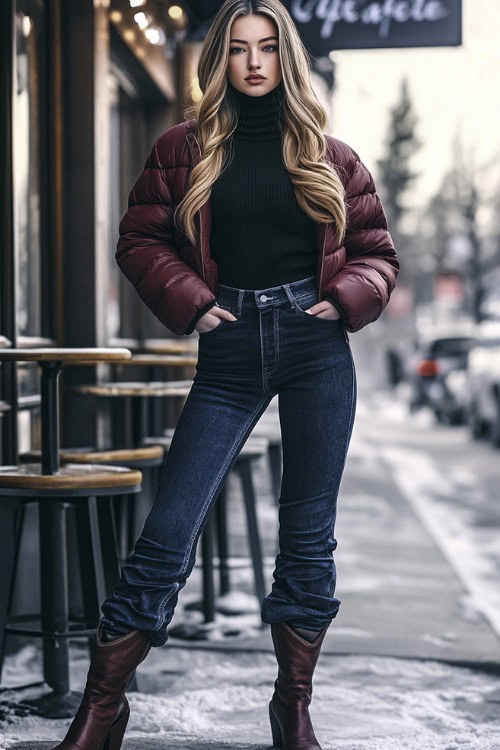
(324, 309)
(210, 319)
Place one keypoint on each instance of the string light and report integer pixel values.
(155, 35)
(175, 11)
(141, 20)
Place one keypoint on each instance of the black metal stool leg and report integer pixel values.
(50, 416)
(207, 540)
(91, 564)
(62, 702)
(109, 544)
(275, 463)
(131, 525)
(18, 519)
(54, 571)
(244, 469)
(11, 520)
(91, 560)
(222, 541)
(140, 420)
(120, 507)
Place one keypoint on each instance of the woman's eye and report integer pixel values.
(233, 50)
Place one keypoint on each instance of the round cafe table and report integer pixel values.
(51, 360)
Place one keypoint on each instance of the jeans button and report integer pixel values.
(263, 297)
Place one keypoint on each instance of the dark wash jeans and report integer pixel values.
(273, 347)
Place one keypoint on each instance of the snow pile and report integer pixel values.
(360, 703)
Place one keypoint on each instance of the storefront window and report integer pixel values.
(128, 150)
(26, 161)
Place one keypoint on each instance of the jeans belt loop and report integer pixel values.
(290, 296)
(239, 303)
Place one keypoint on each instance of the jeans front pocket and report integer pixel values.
(222, 321)
(304, 303)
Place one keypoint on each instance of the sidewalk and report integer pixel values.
(405, 664)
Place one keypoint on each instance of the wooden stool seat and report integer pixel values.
(173, 388)
(145, 456)
(169, 346)
(254, 446)
(78, 478)
(160, 360)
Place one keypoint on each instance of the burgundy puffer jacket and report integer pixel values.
(178, 281)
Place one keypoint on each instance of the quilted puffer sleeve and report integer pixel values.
(146, 252)
(362, 288)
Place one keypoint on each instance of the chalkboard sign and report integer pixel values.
(326, 25)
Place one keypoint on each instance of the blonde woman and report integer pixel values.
(267, 237)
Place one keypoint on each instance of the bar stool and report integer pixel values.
(126, 515)
(155, 367)
(55, 488)
(216, 526)
(77, 486)
(134, 397)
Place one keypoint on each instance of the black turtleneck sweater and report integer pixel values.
(260, 237)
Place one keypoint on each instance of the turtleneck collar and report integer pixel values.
(259, 117)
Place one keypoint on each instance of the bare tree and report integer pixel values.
(395, 175)
(461, 241)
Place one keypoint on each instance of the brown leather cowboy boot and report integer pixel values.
(102, 718)
(291, 725)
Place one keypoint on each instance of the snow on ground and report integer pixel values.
(217, 699)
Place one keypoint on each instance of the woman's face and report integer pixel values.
(253, 48)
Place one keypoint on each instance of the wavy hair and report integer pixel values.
(318, 187)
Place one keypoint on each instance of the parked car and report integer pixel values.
(483, 383)
(436, 372)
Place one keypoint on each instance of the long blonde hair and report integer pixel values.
(318, 187)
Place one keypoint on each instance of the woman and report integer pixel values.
(251, 226)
